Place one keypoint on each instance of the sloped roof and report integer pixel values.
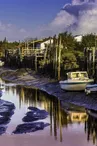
(40, 41)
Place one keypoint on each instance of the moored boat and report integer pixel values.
(76, 81)
(91, 89)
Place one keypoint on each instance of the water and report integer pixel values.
(75, 128)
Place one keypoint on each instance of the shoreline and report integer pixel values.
(29, 79)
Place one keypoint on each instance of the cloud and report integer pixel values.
(87, 22)
(79, 18)
(12, 32)
(62, 17)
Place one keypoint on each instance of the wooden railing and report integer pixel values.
(33, 52)
(28, 52)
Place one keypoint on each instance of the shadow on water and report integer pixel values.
(60, 118)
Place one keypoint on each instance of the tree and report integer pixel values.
(69, 60)
(68, 41)
(88, 41)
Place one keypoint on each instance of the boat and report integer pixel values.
(77, 116)
(1, 63)
(91, 89)
(76, 81)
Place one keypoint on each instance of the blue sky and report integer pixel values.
(20, 19)
(26, 16)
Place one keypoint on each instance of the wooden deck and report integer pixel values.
(22, 55)
(33, 52)
(28, 52)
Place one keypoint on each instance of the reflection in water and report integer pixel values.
(59, 118)
(33, 97)
(77, 116)
(91, 129)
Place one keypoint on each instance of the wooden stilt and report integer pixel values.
(59, 57)
(56, 59)
(36, 63)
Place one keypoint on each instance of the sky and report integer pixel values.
(20, 19)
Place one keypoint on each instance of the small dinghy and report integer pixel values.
(91, 89)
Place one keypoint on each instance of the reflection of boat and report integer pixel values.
(91, 89)
(76, 81)
(77, 116)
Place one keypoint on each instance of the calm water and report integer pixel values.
(73, 129)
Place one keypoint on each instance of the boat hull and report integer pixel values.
(74, 86)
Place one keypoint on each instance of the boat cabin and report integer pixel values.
(77, 75)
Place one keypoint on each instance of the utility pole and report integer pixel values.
(59, 57)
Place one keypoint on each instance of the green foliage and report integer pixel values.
(42, 63)
(68, 41)
(69, 60)
(88, 41)
(7, 45)
(12, 45)
(79, 54)
(79, 46)
(64, 48)
(69, 55)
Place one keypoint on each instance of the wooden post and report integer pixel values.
(35, 62)
(59, 57)
(33, 44)
(56, 58)
(45, 53)
(25, 44)
(93, 70)
(50, 50)
(54, 53)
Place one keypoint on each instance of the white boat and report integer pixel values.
(1, 63)
(76, 81)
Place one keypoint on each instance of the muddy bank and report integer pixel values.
(30, 79)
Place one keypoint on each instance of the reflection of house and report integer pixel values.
(75, 116)
(41, 44)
